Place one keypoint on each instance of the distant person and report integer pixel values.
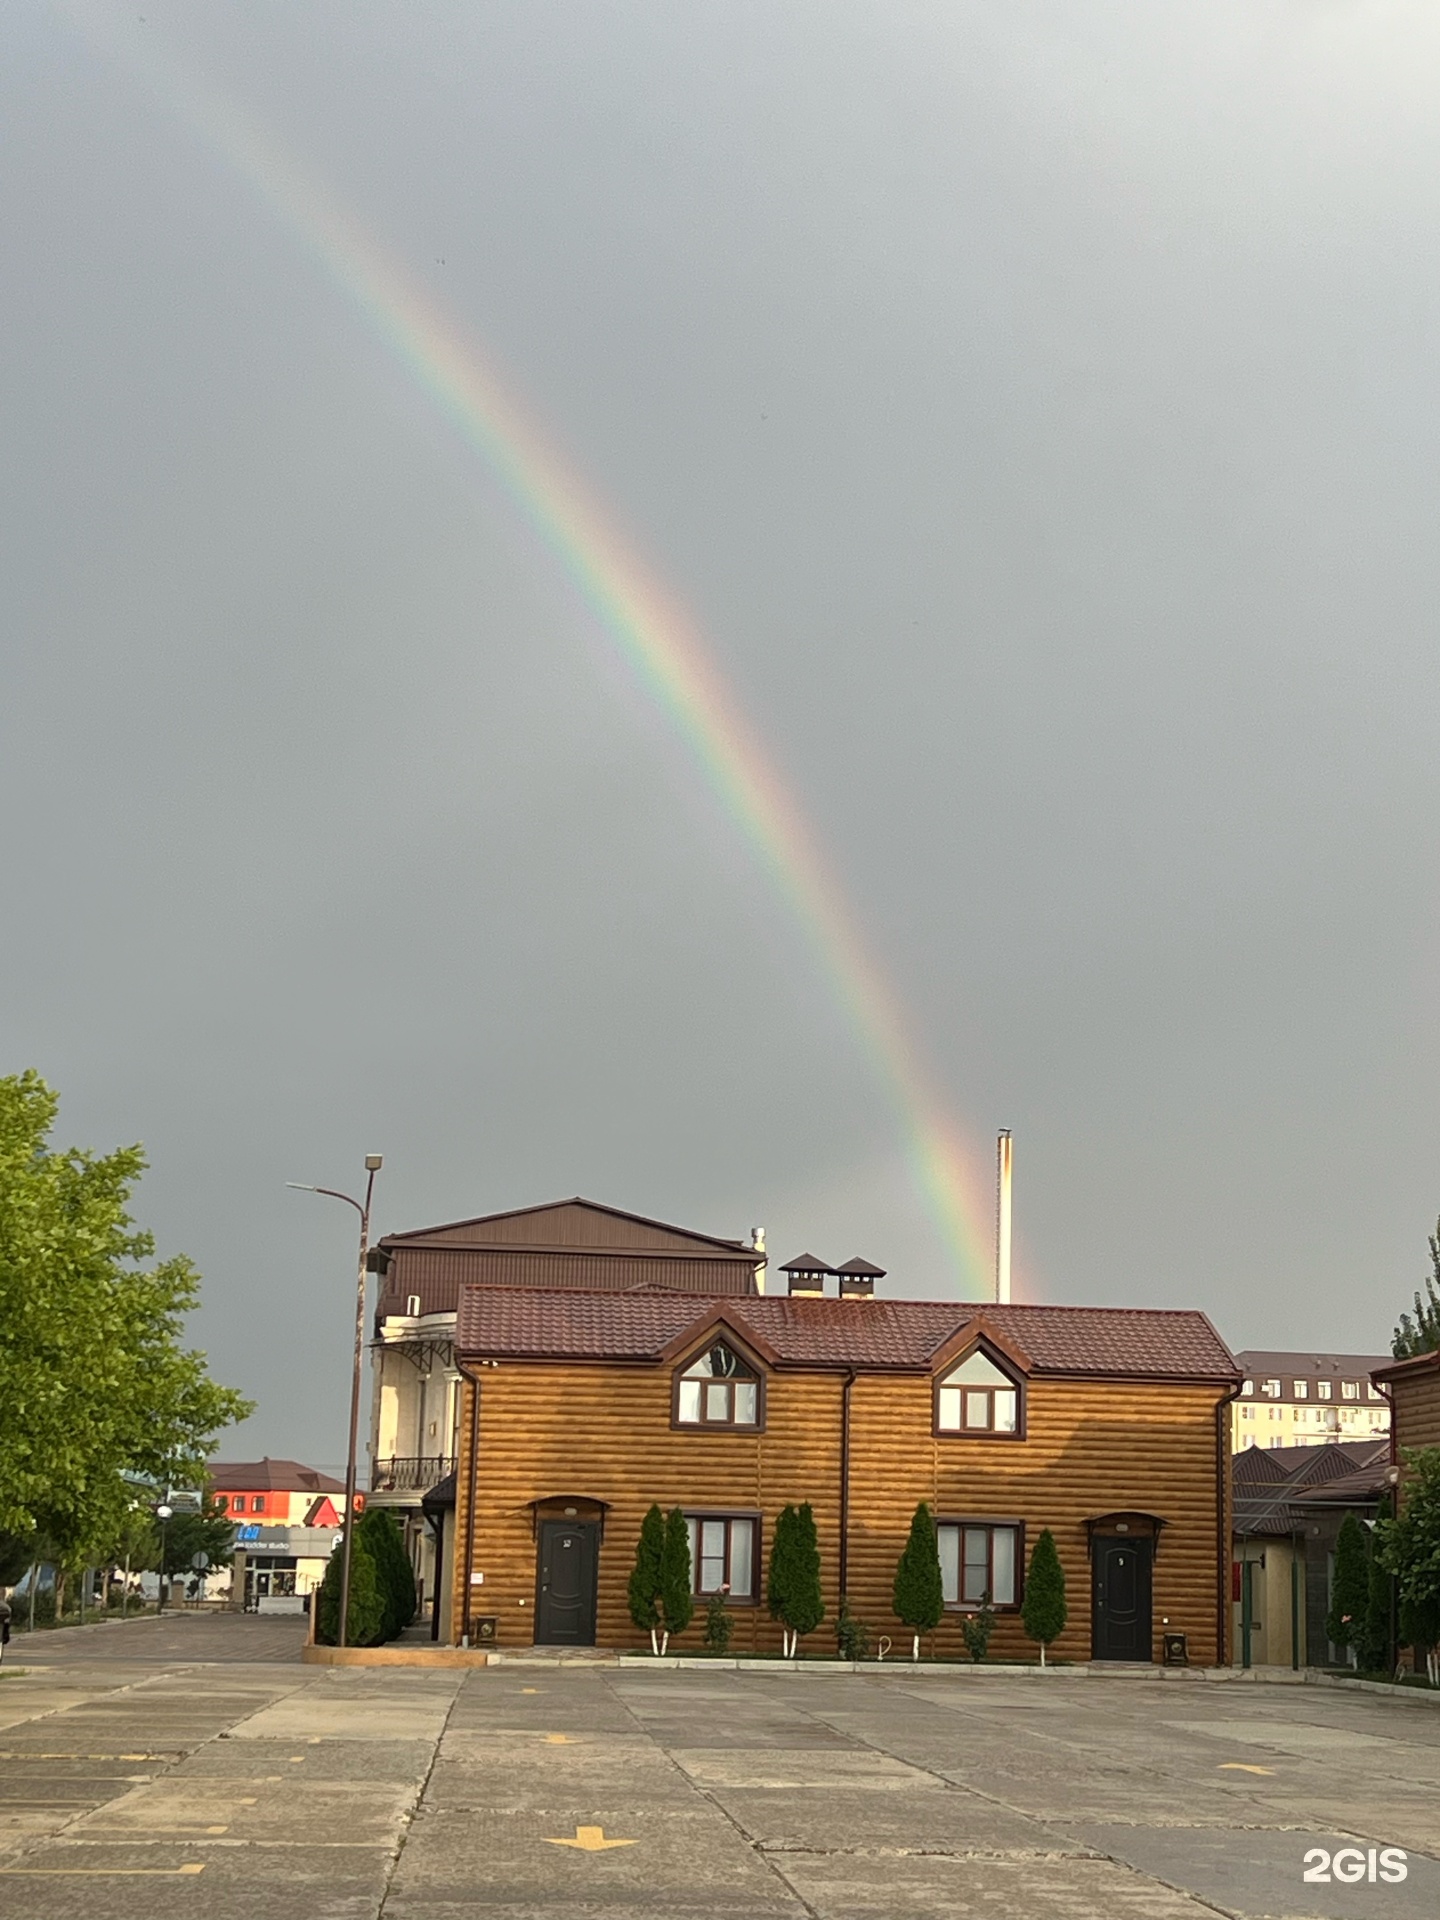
(4, 1627)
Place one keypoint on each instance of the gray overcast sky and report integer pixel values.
(1034, 403)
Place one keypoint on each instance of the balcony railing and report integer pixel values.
(410, 1472)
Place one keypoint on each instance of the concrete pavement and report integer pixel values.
(200, 1758)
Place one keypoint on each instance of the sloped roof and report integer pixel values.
(536, 1323)
(1272, 1484)
(557, 1225)
(269, 1476)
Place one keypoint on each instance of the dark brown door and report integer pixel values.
(1120, 1612)
(565, 1590)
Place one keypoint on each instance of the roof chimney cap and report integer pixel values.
(862, 1267)
(806, 1273)
(857, 1279)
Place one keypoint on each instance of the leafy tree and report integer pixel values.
(365, 1622)
(209, 1532)
(1043, 1611)
(677, 1603)
(718, 1624)
(1372, 1648)
(378, 1530)
(646, 1574)
(17, 1552)
(1409, 1547)
(919, 1596)
(1420, 1332)
(93, 1376)
(1350, 1588)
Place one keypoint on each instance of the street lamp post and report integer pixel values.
(162, 1514)
(373, 1164)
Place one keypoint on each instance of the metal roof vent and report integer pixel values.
(806, 1274)
(857, 1279)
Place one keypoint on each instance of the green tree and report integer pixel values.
(919, 1596)
(852, 1636)
(185, 1537)
(646, 1574)
(805, 1608)
(1350, 1587)
(366, 1619)
(677, 1601)
(378, 1530)
(1420, 1332)
(1409, 1547)
(718, 1624)
(1043, 1611)
(94, 1378)
(977, 1629)
(781, 1580)
(1373, 1648)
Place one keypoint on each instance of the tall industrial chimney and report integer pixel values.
(1002, 1217)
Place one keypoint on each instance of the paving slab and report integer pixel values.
(850, 1766)
(847, 1820)
(522, 1858)
(324, 1759)
(839, 1887)
(70, 1880)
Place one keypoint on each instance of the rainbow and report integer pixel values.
(649, 631)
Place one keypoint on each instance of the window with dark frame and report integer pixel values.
(257, 1505)
(978, 1557)
(237, 1504)
(724, 1554)
(718, 1389)
(977, 1397)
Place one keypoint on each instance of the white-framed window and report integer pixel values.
(978, 1559)
(977, 1397)
(1372, 1392)
(1302, 1389)
(1271, 1389)
(1322, 1389)
(718, 1389)
(724, 1555)
(1349, 1389)
(1247, 1389)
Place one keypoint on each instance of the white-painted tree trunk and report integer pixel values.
(915, 1649)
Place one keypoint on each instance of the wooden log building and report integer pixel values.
(580, 1408)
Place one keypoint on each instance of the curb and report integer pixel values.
(311, 1656)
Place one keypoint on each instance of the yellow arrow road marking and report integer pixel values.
(590, 1840)
(532, 1689)
(111, 1873)
(560, 1740)
(1242, 1766)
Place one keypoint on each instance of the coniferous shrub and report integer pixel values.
(780, 1581)
(805, 1603)
(919, 1594)
(718, 1624)
(852, 1636)
(1350, 1588)
(677, 1601)
(976, 1629)
(393, 1571)
(1043, 1611)
(646, 1576)
(366, 1620)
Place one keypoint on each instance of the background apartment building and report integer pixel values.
(1308, 1399)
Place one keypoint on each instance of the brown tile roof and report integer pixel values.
(262, 1476)
(496, 1322)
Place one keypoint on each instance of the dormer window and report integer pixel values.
(977, 1397)
(718, 1389)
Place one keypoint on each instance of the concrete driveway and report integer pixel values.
(146, 1758)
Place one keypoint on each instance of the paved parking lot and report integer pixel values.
(145, 1758)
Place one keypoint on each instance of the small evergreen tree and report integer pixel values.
(367, 1614)
(677, 1602)
(780, 1580)
(852, 1636)
(1409, 1547)
(1043, 1611)
(805, 1604)
(1350, 1588)
(919, 1597)
(1420, 1332)
(718, 1624)
(646, 1575)
(977, 1629)
(393, 1570)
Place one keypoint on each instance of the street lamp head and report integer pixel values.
(374, 1162)
(163, 1512)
